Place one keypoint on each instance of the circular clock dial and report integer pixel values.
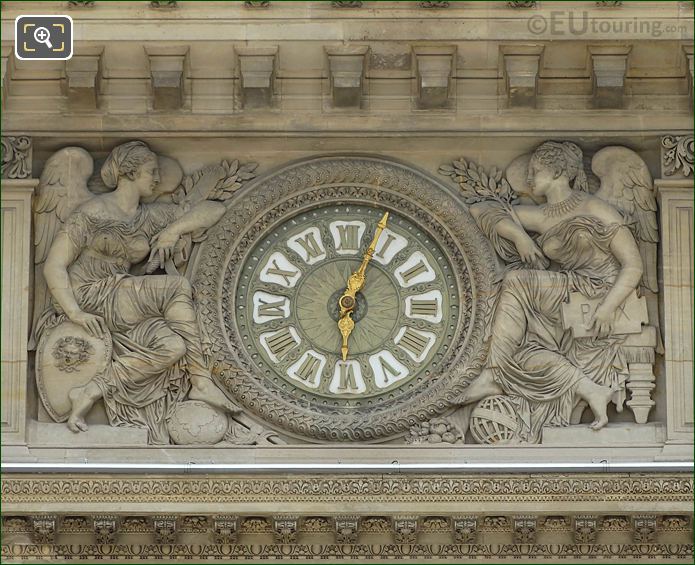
(271, 273)
(287, 304)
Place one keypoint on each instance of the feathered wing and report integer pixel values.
(627, 184)
(62, 188)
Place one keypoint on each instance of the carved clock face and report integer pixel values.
(287, 304)
(270, 274)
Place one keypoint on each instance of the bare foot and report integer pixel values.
(210, 394)
(598, 401)
(77, 424)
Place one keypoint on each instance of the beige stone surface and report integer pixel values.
(16, 253)
(422, 87)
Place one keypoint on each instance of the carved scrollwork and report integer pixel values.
(16, 157)
(677, 156)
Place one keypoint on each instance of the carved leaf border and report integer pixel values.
(304, 185)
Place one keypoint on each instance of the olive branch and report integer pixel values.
(215, 182)
(480, 186)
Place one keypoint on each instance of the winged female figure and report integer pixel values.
(574, 243)
(157, 357)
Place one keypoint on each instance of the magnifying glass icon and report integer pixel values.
(42, 35)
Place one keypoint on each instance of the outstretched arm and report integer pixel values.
(202, 216)
(510, 230)
(61, 255)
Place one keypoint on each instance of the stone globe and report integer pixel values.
(195, 422)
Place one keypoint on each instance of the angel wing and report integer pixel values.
(627, 184)
(62, 188)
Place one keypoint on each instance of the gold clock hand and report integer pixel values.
(346, 324)
(355, 283)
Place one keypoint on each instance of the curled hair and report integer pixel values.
(563, 157)
(125, 160)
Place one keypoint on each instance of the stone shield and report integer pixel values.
(68, 357)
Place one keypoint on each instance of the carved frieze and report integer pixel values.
(677, 155)
(252, 337)
(346, 529)
(16, 157)
(644, 528)
(285, 529)
(405, 529)
(581, 540)
(585, 529)
(525, 528)
(44, 529)
(225, 529)
(465, 529)
(165, 529)
(105, 529)
(434, 5)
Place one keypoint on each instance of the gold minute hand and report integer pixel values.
(355, 283)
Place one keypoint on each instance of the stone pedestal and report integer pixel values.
(16, 260)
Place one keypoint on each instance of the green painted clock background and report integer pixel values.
(287, 304)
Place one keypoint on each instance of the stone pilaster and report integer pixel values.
(17, 191)
(675, 191)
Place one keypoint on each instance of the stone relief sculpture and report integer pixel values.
(110, 276)
(570, 316)
(569, 298)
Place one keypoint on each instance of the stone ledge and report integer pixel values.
(55, 435)
(612, 434)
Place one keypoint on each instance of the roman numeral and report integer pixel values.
(286, 275)
(271, 309)
(281, 343)
(349, 237)
(427, 306)
(415, 343)
(387, 369)
(347, 377)
(310, 245)
(424, 307)
(384, 248)
(419, 268)
(309, 369)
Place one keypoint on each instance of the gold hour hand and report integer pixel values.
(355, 283)
(345, 325)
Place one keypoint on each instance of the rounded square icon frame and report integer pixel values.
(16, 36)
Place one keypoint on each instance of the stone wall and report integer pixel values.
(382, 104)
